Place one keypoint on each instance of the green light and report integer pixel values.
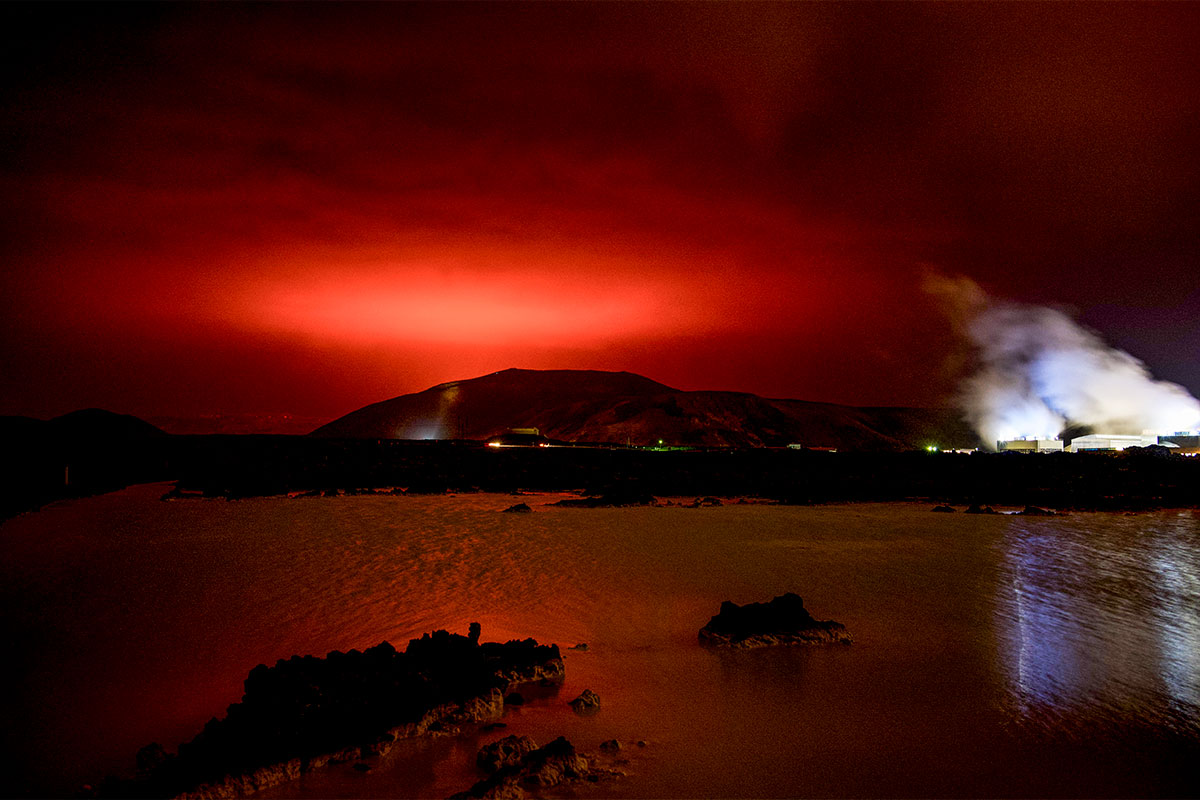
(660, 442)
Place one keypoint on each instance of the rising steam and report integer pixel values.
(1039, 371)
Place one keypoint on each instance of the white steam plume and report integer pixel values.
(1040, 371)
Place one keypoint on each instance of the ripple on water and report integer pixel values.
(992, 655)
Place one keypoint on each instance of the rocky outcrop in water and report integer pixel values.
(504, 752)
(943, 509)
(1035, 511)
(588, 702)
(519, 508)
(307, 712)
(975, 508)
(555, 765)
(783, 621)
(617, 499)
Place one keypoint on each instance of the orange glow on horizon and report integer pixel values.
(450, 301)
(481, 311)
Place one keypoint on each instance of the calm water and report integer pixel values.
(993, 656)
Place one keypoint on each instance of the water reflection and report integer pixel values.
(1178, 615)
(1102, 622)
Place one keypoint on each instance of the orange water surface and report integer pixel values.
(992, 656)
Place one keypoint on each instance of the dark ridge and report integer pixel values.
(482, 407)
(623, 408)
(76, 455)
(100, 424)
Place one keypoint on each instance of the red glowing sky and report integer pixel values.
(252, 209)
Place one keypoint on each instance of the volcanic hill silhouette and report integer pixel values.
(621, 407)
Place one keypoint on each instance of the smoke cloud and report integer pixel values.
(1039, 371)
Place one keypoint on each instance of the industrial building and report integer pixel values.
(1110, 441)
(1030, 446)
(1185, 442)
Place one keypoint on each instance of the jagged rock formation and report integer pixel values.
(555, 764)
(588, 702)
(307, 712)
(504, 752)
(783, 621)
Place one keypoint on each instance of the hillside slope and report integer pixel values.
(620, 407)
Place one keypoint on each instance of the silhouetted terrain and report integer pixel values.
(244, 466)
(620, 407)
(735, 442)
(81, 453)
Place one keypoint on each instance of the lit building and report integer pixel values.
(1187, 442)
(1030, 445)
(1110, 441)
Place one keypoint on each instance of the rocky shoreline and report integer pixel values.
(306, 713)
(443, 720)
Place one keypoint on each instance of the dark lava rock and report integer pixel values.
(362, 767)
(504, 752)
(519, 508)
(514, 699)
(587, 702)
(582, 646)
(944, 509)
(306, 712)
(978, 509)
(619, 499)
(494, 726)
(700, 502)
(1034, 511)
(611, 745)
(553, 765)
(783, 621)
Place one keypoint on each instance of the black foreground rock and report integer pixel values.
(783, 621)
(504, 753)
(307, 712)
(588, 702)
(556, 764)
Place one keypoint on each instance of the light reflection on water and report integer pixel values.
(1099, 615)
(987, 651)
